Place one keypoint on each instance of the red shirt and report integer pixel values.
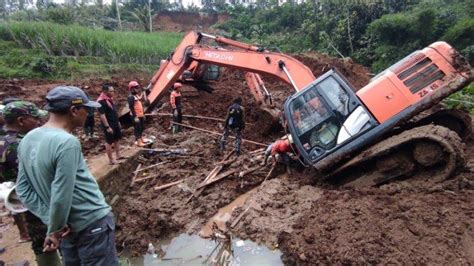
(281, 146)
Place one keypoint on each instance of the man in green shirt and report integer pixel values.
(20, 118)
(55, 184)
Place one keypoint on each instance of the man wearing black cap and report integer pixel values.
(55, 184)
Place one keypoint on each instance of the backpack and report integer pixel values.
(235, 116)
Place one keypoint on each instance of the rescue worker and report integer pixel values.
(177, 107)
(280, 151)
(137, 111)
(20, 118)
(110, 123)
(90, 123)
(235, 122)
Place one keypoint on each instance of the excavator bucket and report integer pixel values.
(125, 118)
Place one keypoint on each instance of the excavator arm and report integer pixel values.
(249, 58)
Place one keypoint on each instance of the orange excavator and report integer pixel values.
(388, 129)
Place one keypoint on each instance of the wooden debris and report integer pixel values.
(257, 151)
(237, 220)
(114, 199)
(270, 172)
(221, 176)
(219, 134)
(168, 185)
(151, 166)
(145, 178)
(174, 151)
(248, 171)
(135, 175)
(190, 116)
(228, 155)
(213, 173)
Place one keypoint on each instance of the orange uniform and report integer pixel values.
(136, 106)
(281, 146)
(175, 99)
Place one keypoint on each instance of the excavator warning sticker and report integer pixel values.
(170, 75)
(219, 56)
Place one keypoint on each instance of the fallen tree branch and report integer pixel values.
(168, 185)
(219, 134)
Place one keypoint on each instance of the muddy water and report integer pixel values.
(224, 214)
(193, 250)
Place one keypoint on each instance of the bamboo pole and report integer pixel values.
(219, 134)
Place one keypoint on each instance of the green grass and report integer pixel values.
(17, 62)
(71, 40)
(462, 99)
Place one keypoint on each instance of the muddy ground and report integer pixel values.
(308, 221)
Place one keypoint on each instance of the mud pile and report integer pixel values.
(145, 215)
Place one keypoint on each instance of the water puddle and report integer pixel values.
(193, 250)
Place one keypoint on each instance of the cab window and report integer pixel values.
(308, 111)
(336, 95)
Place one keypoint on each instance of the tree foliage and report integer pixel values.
(375, 33)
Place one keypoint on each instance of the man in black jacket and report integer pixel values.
(235, 122)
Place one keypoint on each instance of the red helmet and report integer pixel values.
(132, 84)
(177, 85)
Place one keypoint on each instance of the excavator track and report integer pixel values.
(455, 119)
(430, 151)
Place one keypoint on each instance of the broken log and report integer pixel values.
(151, 166)
(219, 134)
(168, 185)
(135, 175)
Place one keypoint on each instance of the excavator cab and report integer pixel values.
(326, 115)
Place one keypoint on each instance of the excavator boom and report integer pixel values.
(249, 58)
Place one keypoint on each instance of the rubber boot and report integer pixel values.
(48, 259)
(221, 145)
(140, 142)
